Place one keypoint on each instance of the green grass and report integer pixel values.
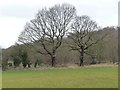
(0, 79)
(88, 77)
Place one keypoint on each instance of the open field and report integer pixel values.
(0, 78)
(86, 77)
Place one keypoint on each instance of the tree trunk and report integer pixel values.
(24, 65)
(29, 65)
(36, 63)
(53, 60)
(82, 56)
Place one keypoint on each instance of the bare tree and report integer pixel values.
(82, 34)
(48, 29)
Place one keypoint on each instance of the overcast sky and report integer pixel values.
(15, 13)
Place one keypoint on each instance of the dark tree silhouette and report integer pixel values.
(25, 60)
(19, 56)
(48, 29)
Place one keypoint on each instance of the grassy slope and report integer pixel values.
(89, 77)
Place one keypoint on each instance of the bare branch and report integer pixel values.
(49, 28)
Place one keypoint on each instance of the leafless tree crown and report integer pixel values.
(49, 27)
(82, 31)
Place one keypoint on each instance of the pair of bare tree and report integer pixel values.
(51, 25)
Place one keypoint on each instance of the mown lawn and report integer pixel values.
(86, 77)
(0, 78)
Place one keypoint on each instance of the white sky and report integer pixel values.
(15, 13)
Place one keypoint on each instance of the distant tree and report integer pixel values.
(82, 34)
(19, 56)
(16, 56)
(48, 29)
(24, 56)
(111, 46)
(118, 28)
(37, 63)
(16, 61)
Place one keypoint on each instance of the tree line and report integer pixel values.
(60, 27)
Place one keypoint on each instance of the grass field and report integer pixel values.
(87, 77)
(0, 78)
